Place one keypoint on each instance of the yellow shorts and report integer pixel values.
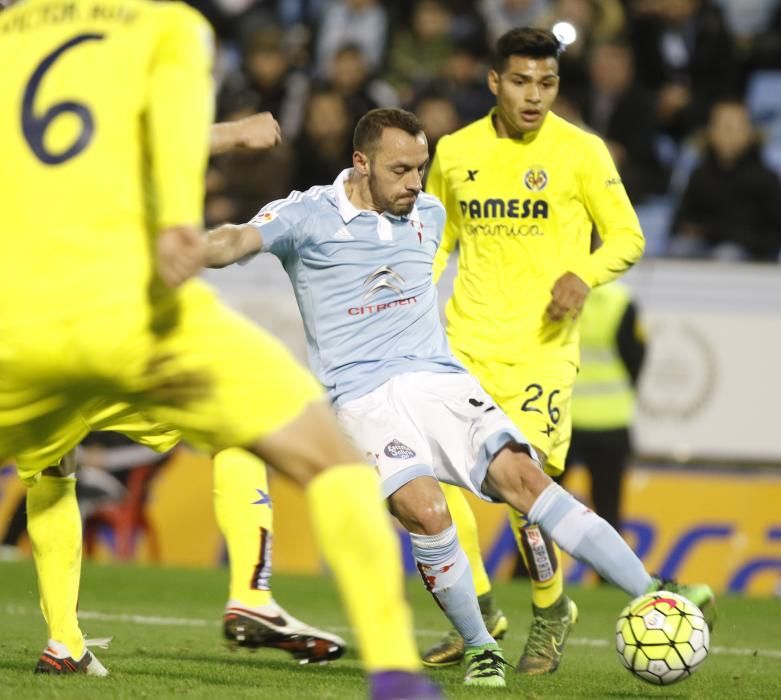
(118, 418)
(210, 377)
(536, 396)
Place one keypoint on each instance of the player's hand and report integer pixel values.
(258, 132)
(567, 297)
(181, 252)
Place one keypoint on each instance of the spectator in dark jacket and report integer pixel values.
(266, 83)
(685, 54)
(731, 208)
(622, 112)
(324, 148)
(348, 74)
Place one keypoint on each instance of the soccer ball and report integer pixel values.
(662, 637)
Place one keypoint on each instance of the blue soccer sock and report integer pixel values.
(446, 573)
(591, 539)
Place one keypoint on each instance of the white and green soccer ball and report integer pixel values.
(662, 637)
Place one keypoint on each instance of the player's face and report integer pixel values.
(396, 171)
(525, 91)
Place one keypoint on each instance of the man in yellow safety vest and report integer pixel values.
(612, 347)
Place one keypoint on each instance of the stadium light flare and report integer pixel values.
(565, 33)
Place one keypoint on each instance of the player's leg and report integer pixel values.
(261, 398)
(553, 612)
(242, 508)
(517, 478)
(252, 619)
(537, 399)
(421, 508)
(384, 425)
(54, 529)
(450, 649)
(342, 491)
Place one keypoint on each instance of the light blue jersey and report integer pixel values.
(364, 286)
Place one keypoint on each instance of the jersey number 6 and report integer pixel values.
(34, 126)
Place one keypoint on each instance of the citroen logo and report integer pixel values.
(383, 278)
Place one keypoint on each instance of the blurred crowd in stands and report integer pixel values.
(687, 94)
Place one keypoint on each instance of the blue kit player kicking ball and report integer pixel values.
(359, 254)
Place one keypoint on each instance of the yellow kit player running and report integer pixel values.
(242, 506)
(523, 190)
(105, 120)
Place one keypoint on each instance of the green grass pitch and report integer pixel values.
(167, 643)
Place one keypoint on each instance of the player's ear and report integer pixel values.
(493, 81)
(361, 162)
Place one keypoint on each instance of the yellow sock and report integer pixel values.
(54, 528)
(466, 526)
(242, 506)
(356, 537)
(542, 558)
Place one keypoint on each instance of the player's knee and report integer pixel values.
(304, 464)
(420, 510)
(516, 478)
(429, 519)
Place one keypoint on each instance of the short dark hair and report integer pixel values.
(525, 41)
(350, 48)
(371, 125)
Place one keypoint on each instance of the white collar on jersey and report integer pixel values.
(348, 211)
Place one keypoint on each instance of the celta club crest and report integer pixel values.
(535, 179)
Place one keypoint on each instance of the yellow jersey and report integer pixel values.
(522, 213)
(104, 133)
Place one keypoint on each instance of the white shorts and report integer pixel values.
(430, 424)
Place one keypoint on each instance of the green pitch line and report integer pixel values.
(423, 634)
(165, 625)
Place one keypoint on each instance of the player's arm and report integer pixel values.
(178, 115)
(631, 342)
(274, 229)
(229, 243)
(436, 184)
(615, 219)
(258, 132)
(613, 215)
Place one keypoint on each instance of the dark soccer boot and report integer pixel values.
(273, 627)
(547, 635)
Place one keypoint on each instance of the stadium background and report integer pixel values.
(701, 500)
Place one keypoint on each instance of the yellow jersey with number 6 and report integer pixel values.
(89, 89)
